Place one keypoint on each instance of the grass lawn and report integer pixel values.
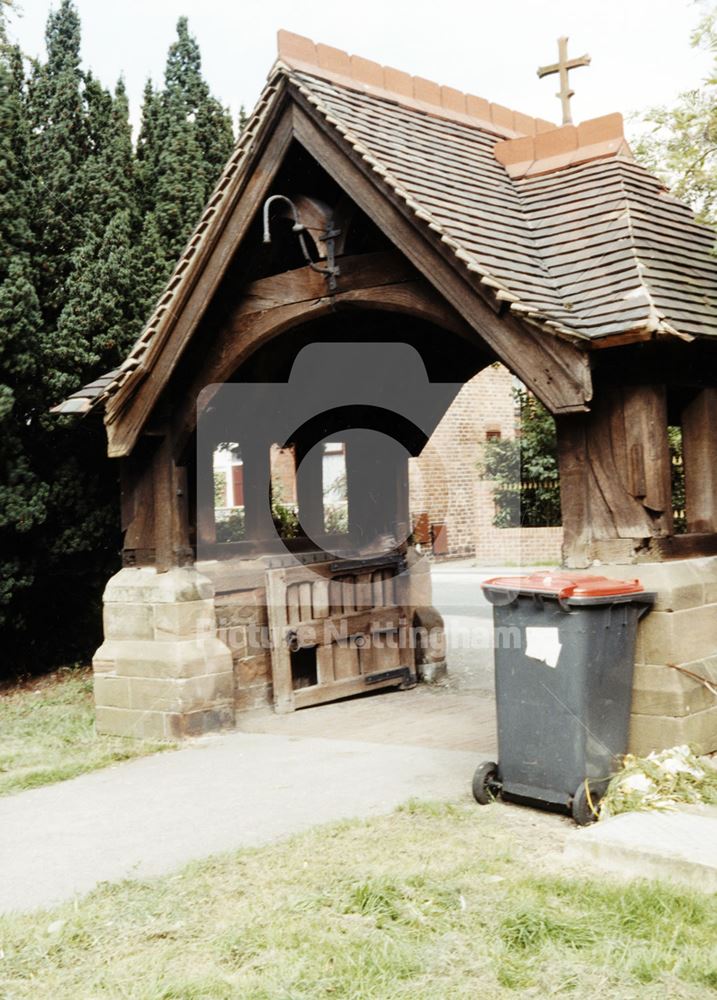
(47, 732)
(433, 902)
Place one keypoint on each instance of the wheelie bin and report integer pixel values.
(564, 659)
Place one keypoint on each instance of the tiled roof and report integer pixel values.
(560, 224)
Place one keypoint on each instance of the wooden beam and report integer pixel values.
(678, 547)
(129, 409)
(370, 270)
(245, 331)
(555, 370)
(699, 451)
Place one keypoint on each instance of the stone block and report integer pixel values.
(138, 725)
(234, 638)
(184, 620)
(679, 847)
(678, 636)
(111, 691)
(656, 732)
(198, 723)
(128, 621)
(144, 585)
(172, 695)
(248, 670)
(256, 696)
(258, 640)
(661, 690)
(418, 585)
(241, 608)
(183, 658)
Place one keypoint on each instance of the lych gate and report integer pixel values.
(421, 235)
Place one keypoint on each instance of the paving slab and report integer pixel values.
(425, 716)
(149, 816)
(678, 847)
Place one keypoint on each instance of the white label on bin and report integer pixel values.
(543, 644)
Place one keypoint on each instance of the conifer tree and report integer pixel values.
(57, 152)
(185, 140)
(98, 322)
(89, 231)
(23, 495)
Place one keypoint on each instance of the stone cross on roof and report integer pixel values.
(563, 66)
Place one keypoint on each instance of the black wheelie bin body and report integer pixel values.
(564, 661)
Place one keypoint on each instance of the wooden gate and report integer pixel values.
(338, 629)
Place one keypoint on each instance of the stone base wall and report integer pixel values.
(161, 671)
(669, 707)
(243, 626)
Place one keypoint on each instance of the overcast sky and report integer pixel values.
(640, 49)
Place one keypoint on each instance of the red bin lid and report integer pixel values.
(564, 585)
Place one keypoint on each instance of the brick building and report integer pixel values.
(452, 506)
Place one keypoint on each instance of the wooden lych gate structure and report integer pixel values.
(472, 234)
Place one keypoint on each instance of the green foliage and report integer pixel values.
(336, 519)
(525, 468)
(285, 518)
(678, 479)
(680, 144)
(232, 527)
(220, 489)
(89, 230)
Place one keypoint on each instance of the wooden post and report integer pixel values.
(699, 451)
(171, 529)
(615, 483)
(206, 526)
(574, 489)
(137, 504)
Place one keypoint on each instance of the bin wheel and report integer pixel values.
(486, 786)
(581, 808)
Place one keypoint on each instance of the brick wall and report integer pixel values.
(442, 480)
(445, 480)
(511, 546)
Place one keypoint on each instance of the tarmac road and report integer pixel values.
(468, 618)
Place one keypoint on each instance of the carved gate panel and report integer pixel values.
(337, 630)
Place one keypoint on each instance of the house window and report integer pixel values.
(334, 492)
(228, 468)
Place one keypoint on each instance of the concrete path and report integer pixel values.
(678, 847)
(152, 815)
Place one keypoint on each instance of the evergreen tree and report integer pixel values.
(89, 231)
(184, 142)
(23, 495)
(98, 322)
(57, 152)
